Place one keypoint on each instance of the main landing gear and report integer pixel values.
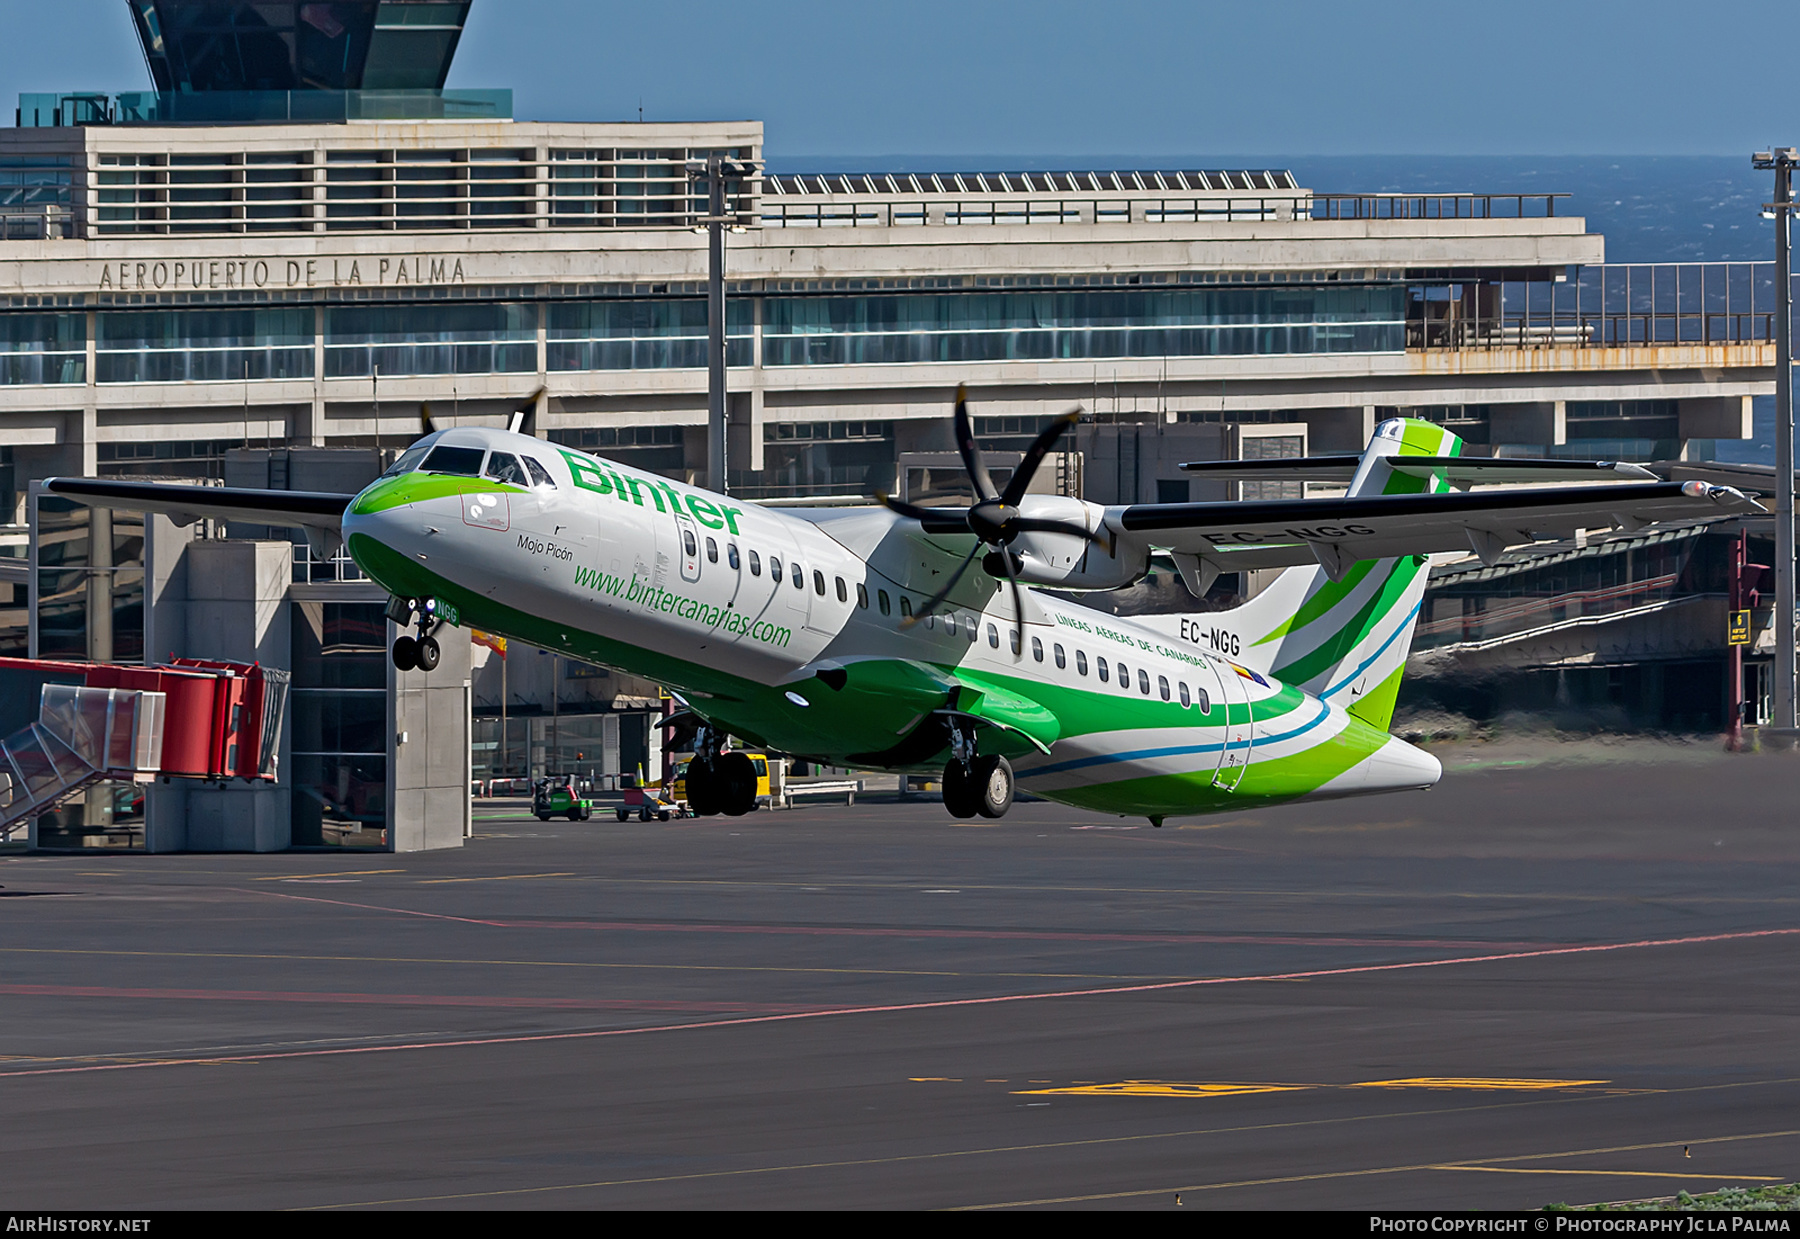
(975, 786)
(719, 782)
(420, 653)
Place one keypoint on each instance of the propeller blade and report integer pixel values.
(937, 599)
(935, 520)
(426, 425)
(1034, 456)
(971, 451)
(524, 418)
(1012, 574)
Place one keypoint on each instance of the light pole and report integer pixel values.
(715, 171)
(1782, 161)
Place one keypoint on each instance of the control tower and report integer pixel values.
(195, 46)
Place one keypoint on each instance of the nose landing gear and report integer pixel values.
(420, 653)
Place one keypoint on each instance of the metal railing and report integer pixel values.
(849, 213)
(1607, 305)
(1435, 206)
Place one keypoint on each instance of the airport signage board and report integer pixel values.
(1738, 632)
(220, 274)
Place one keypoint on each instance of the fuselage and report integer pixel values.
(798, 631)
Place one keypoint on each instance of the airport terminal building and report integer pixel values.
(261, 268)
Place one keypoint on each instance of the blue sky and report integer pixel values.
(1124, 79)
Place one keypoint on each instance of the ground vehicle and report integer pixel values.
(759, 761)
(648, 802)
(556, 796)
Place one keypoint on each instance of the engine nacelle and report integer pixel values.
(1063, 561)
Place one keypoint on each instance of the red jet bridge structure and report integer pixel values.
(188, 719)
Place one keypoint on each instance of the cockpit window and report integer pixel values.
(409, 460)
(540, 476)
(461, 461)
(504, 467)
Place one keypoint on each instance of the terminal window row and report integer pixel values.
(277, 342)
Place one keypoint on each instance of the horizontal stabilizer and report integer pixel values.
(186, 504)
(1456, 470)
(1284, 532)
(1300, 469)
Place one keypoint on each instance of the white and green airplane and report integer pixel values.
(916, 640)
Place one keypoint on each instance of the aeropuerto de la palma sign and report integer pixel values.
(177, 275)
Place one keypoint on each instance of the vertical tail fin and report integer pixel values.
(1346, 641)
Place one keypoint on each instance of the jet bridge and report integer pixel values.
(192, 719)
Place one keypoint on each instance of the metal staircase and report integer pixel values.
(82, 736)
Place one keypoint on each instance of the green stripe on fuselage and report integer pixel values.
(421, 487)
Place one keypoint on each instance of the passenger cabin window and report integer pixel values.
(798, 577)
(731, 555)
(687, 543)
(1204, 701)
(1162, 686)
(1037, 649)
(712, 551)
(819, 583)
(463, 462)
(1013, 636)
(971, 628)
(881, 600)
(540, 476)
(755, 564)
(775, 569)
(993, 637)
(862, 595)
(1124, 678)
(505, 467)
(842, 593)
(1080, 662)
(1100, 668)
(1144, 682)
(1186, 701)
(905, 606)
(1062, 659)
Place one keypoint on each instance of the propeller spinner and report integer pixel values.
(994, 518)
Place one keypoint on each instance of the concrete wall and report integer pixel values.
(229, 601)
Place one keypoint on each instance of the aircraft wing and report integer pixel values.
(1337, 532)
(186, 504)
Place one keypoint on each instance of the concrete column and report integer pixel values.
(1716, 417)
(1543, 422)
(314, 432)
(238, 611)
(541, 208)
(428, 748)
(86, 430)
(543, 356)
(318, 191)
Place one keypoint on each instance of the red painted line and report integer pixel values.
(366, 907)
(847, 931)
(940, 1004)
(410, 1000)
(1023, 935)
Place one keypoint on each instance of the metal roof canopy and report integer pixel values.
(1266, 181)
